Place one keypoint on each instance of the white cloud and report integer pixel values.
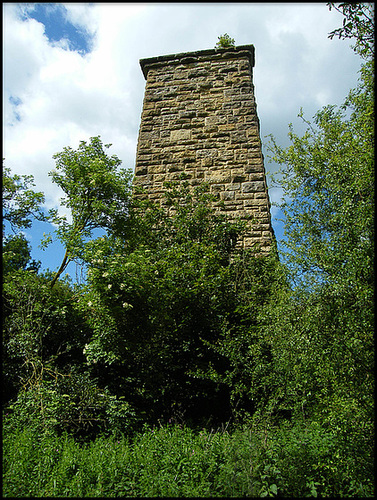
(82, 15)
(64, 98)
(60, 97)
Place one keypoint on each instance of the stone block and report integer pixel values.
(252, 187)
(180, 135)
(227, 195)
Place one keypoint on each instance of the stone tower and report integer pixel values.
(199, 117)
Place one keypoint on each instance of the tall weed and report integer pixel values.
(170, 460)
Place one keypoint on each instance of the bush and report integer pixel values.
(257, 460)
(74, 404)
(43, 331)
(154, 299)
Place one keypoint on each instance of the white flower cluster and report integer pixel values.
(89, 360)
(126, 305)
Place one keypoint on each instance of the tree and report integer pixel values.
(320, 335)
(157, 295)
(16, 255)
(225, 42)
(42, 329)
(97, 193)
(21, 204)
(329, 200)
(358, 23)
(46, 383)
(328, 183)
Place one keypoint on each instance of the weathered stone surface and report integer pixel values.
(180, 134)
(199, 118)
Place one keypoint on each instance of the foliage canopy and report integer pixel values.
(97, 194)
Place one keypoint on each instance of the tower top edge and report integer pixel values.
(197, 56)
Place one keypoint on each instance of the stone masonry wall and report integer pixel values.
(199, 117)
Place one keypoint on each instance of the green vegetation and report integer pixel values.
(176, 461)
(184, 367)
(96, 192)
(225, 42)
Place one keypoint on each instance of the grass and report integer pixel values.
(174, 461)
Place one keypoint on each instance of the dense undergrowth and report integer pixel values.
(171, 460)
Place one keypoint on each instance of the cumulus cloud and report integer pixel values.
(55, 96)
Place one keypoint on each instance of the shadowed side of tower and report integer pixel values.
(199, 118)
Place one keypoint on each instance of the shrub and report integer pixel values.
(73, 404)
(256, 460)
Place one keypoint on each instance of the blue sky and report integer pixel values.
(71, 71)
(57, 26)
